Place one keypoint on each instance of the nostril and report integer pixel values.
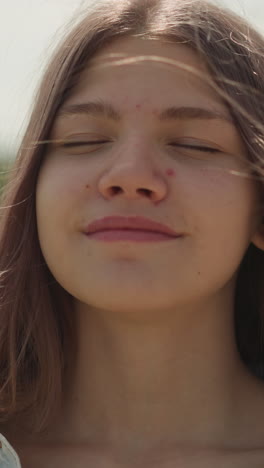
(145, 191)
(116, 190)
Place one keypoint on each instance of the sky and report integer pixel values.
(29, 31)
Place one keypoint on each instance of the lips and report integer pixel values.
(129, 223)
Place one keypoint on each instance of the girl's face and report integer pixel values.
(162, 152)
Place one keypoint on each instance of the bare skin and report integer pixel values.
(44, 456)
(158, 379)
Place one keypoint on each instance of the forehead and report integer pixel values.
(157, 70)
(134, 46)
(150, 54)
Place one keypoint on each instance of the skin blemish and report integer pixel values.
(138, 106)
(170, 172)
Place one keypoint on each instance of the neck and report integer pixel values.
(136, 386)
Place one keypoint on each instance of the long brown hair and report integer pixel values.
(37, 328)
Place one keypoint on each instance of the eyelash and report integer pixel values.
(207, 149)
(80, 143)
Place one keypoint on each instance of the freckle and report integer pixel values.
(87, 186)
(170, 172)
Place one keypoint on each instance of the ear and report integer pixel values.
(258, 237)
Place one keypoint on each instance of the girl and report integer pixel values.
(132, 247)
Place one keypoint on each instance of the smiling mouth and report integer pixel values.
(134, 235)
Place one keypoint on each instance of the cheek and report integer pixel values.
(216, 198)
(229, 208)
(60, 198)
(219, 185)
(59, 186)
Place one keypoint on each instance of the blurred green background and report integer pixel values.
(7, 158)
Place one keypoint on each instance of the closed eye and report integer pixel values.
(207, 149)
(70, 144)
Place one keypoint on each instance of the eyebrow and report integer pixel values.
(104, 109)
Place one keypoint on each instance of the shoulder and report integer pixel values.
(8, 456)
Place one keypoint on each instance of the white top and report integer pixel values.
(8, 456)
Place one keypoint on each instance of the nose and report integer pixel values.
(133, 176)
